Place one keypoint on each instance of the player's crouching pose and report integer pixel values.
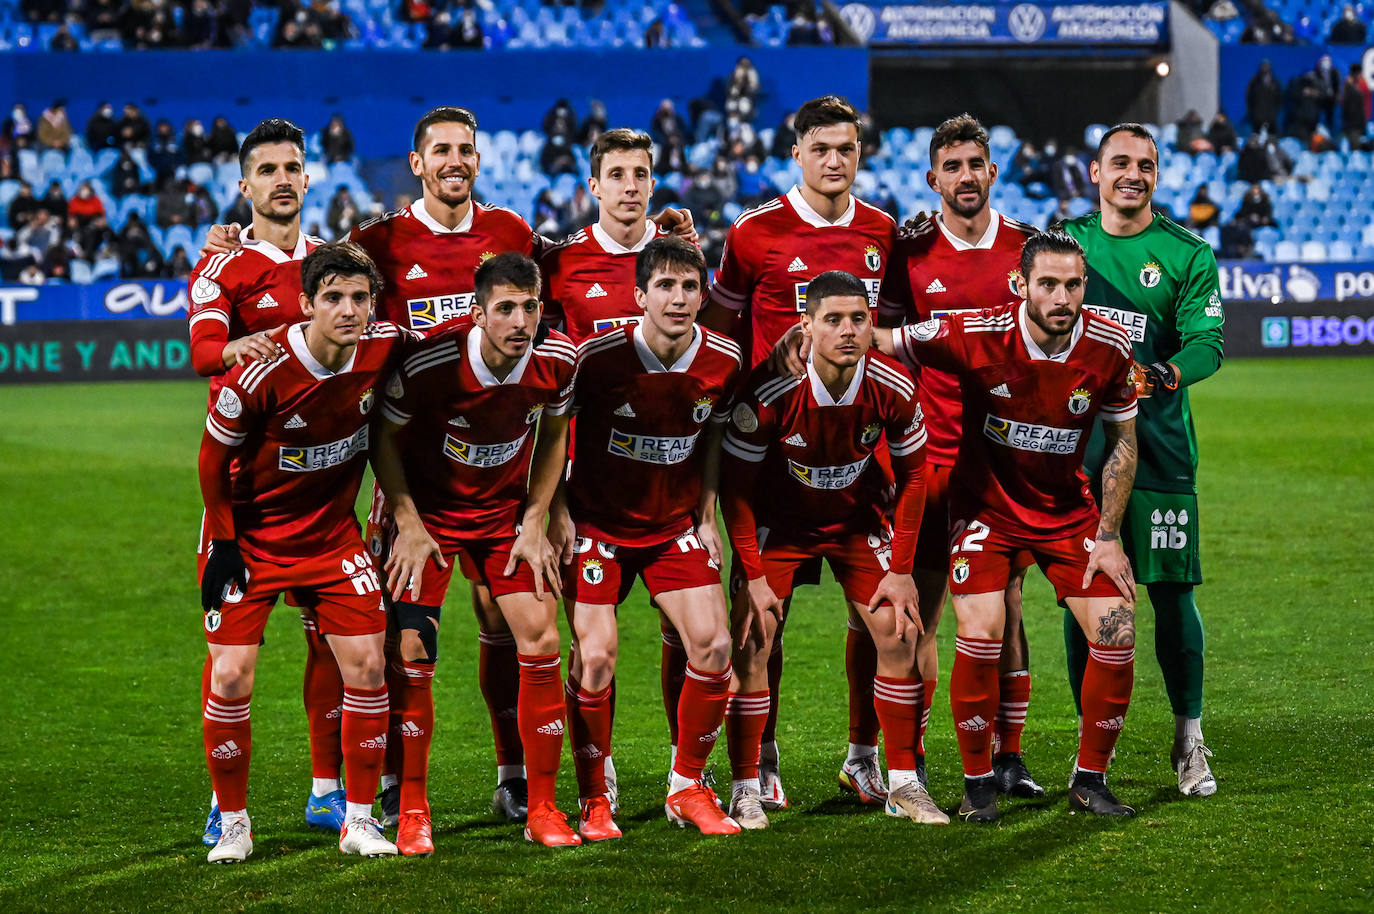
(799, 480)
(458, 441)
(651, 401)
(297, 430)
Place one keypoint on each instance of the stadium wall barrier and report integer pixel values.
(383, 93)
(129, 350)
(1040, 24)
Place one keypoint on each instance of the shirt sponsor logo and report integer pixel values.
(665, 451)
(1026, 436)
(1133, 321)
(482, 455)
(606, 323)
(322, 456)
(437, 309)
(870, 284)
(840, 477)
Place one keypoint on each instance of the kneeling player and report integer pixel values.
(799, 481)
(651, 401)
(458, 442)
(296, 429)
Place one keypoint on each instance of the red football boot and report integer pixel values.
(413, 837)
(697, 805)
(597, 823)
(547, 826)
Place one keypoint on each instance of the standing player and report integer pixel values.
(238, 301)
(800, 481)
(771, 254)
(1160, 281)
(280, 464)
(458, 443)
(1033, 377)
(965, 259)
(651, 402)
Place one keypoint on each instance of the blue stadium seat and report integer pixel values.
(1286, 251)
(80, 272)
(177, 236)
(1313, 252)
(1340, 252)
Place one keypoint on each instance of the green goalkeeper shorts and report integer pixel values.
(1160, 535)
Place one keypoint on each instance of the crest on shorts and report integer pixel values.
(701, 410)
(591, 571)
(1150, 275)
(1079, 401)
(959, 572)
(870, 434)
(873, 258)
(212, 620)
(365, 402)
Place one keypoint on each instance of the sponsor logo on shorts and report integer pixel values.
(437, 309)
(1027, 436)
(665, 451)
(840, 477)
(361, 574)
(1163, 532)
(322, 456)
(482, 455)
(1133, 321)
(959, 571)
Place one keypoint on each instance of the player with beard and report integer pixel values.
(965, 259)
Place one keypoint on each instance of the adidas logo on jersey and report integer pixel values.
(626, 411)
(417, 272)
(796, 440)
(974, 724)
(460, 422)
(226, 750)
(796, 266)
(295, 422)
(935, 286)
(1001, 390)
(553, 728)
(411, 728)
(1116, 723)
(596, 291)
(267, 301)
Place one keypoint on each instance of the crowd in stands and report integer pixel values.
(1285, 21)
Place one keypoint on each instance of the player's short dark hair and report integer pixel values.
(508, 269)
(822, 112)
(1131, 128)
(621, 139)
(444, 114)
(271, 130)
(338, 258)
(1054, 241)
(830, 284)
(962, 128)
(668, 253)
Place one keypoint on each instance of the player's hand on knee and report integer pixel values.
(406, 564)
(222, 239)
(791, 352)
(899, 590)
(532, 547)
(223, 566)
(1108, 558)
(761, 600)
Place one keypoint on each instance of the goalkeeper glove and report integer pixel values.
(1156, 376)
(223, 566)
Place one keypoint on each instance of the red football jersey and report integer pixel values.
(814, 476)
(255, 288)
(589, 281)
(935, 274)
(1027, 416)
(774, 250)
(428, 269)
(636, 474)
(468, 437)
(299, 435)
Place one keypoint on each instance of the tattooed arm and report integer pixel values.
(1118, 476)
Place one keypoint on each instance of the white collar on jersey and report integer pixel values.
(1038, 354)
(982, 244)
(651, 362)
(271, 251)
(295, 336)
(822, 395)
(485, 376)
(811, 217)
(421, 215)
(611, 246)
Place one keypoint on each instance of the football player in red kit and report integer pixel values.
(280, 464)
(651, 401)
(800, 480)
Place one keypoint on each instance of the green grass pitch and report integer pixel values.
(103, 788)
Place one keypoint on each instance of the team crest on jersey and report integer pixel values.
(873, 258)
(228, 405)
(744, 418)
(533, 414)
(486, 255)
(959, 572)
(701, 410)
(365, 402)
(591, 571)
(1013, 278)
(870, 434)
(1150, 275)
(1078, 401)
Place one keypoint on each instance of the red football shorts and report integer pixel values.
(342, 587)
(982, 559)
(483, 561)
(859, 562)
(602, 574)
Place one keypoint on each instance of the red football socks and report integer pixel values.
(589, 714)
(1013, 690)
(745, 715)
(415, 703)
(322, 690)
(363, 735)
(860, 666)
(228, 736)
(1107, 684)
(699, 715)
(770, 727)
(498, 675)
(898, 705)
(672, 673)
(927, 701)
(540, 721)
(973, 699)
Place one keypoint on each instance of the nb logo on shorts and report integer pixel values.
(1163, 533)
(361, 574)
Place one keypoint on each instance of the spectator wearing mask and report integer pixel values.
(1264, 99)
(85, 207)
(102, 132)
(1256, 209)
(337, 141)
(223, 142)
(194, 145)
(1349, 29)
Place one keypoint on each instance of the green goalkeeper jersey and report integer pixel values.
(1161, 285)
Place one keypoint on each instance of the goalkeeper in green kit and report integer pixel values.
(1160, 281)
